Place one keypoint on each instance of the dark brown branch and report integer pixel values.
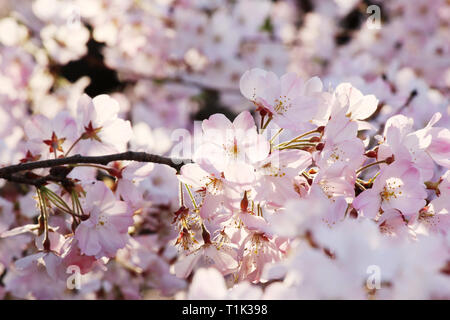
(37, 181)
(10, 173)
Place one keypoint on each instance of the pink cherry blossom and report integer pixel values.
(290, 100)
(220, 191)
(100, 128)
(341, 144)
(129, 178)
(276, 175)
(106, 229)
(51, 137)
(397, 187)
(222, 258)
(226, 144)
(207, 284)
(358, 106)
(257, 250)
(405, 144)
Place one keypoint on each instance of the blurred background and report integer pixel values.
(169, 62)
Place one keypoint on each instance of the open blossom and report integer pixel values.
(257, 250)
(100, 128)
(393, 223)
(439, 148)
(289, 99)
(16, 69)
(336, 181)
(398, 186)
(436, 216)
(129, 178)
(48, 137)
(160, 186)
(219, 190)
(220, 42)
(72, 256)
(34, 282)
(221, 257)
(441, 203)
(141, 254)
(405, 144)
(46, 264)
(226, 145)
(106, 229)
(357, 106)
(276, 175)
(341, 144)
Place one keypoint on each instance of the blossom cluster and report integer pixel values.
(319, 171)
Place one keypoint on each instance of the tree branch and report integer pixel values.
(9, 172)
(36, 181)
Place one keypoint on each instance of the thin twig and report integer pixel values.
(9, 172)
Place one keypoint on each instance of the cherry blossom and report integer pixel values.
(226, 145)
(397, 187)
(51, 137)
(98, 120)
(289, 99)
(106, 229)
(222, 258)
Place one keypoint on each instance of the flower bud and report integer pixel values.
(353, 213)
(244, 203)
(320, 146)
(206, 235)
(390, 159)
(371, 153)
(46, 244)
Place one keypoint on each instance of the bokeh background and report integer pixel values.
(172, 61)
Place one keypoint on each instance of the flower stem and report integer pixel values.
(306, 134)
(191, 196)
(299, 138)
(73, 145)
(44, 213)
(298, 146)
(266, 124)
(181, 195)
(359, 185)
(369, 165)
(276, 135)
